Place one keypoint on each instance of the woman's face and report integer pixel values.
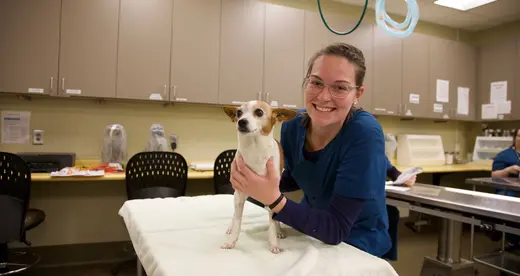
(330, 90)
(517, 139)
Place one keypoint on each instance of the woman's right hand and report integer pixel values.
(513, 169)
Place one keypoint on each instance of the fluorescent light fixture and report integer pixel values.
(463, 5)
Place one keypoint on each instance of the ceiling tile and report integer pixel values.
(498, 8)
(463, 20)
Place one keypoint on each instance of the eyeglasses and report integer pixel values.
(336, 90)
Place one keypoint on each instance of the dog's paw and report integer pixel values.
(228, 245)
(228, 231)
(280, 234)
(275, 249)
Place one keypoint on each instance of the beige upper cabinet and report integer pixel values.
(284, 56)
(29, 46)
(143, 67)
(443, 75)
(387, 74)
(88, 51)
(516, 97)
(496, 64)
(416, 101)
(466, 82)
(195, 51)
(241, 51)
(318, 36)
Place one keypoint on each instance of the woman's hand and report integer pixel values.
(411, 181)
(262, 188)
(513, 169)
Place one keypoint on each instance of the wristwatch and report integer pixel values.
(276, 202)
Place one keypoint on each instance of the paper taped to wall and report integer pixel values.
(463, 100)
(498, 92)
(443, 91)
(15, 127)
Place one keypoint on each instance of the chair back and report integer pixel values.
(156, 174)
(15, 190)
(221, 172)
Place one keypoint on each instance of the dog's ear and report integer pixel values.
(283, 114)
(231, 111)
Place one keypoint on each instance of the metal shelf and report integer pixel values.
(502, 261)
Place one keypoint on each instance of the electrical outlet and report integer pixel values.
(37, 137)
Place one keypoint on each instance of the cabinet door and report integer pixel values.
(284, 56)
(318, 36)
(443, 75)
(496, 64)
(195, 51)
(516, 97)
(144, 49)
(416, 101)
(29, 46)
(242, 51)
(388, 78)
(466, 68)
(88, 50)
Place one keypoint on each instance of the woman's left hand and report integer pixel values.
(411, 181)
(262, 188)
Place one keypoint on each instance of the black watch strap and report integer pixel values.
(276, 202)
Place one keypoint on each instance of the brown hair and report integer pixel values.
(344, 50)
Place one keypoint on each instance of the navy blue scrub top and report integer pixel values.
(352, 165)
(504, 159)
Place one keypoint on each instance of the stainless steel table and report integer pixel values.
(506, 183)
(454, 207)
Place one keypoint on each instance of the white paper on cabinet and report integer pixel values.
(463, 100)
(489, 111)
(15, 127)
(443, 91)
(498, 92)
(504, 107)
(437, 108)
(414, 98)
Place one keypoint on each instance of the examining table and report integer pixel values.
(454, 207)
(182, 236)
(506, 183)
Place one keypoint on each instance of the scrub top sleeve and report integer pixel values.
(500, 162)
(287, 182)
(363, 165)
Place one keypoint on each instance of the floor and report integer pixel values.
(412, 249)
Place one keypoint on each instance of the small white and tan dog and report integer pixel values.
(255, 121)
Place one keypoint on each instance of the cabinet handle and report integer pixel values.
(267, 97)
(174, 92)
(399, 109)
(165, 92)
(259, 95)
(52, 84)
(63, 86)
(404, 109)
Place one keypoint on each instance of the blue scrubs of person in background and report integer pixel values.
(507, 164)
(335, 153)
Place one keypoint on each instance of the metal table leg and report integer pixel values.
(140, 270)
(448, 260)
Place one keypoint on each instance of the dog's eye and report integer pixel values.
(259, 113)
(239, 113)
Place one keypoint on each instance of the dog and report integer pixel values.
(255, 121)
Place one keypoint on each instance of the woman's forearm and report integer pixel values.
(331, 226)
(500, 173)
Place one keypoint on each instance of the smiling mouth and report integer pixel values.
(323, 109)
(245, 130)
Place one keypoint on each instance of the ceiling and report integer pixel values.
(483, 17)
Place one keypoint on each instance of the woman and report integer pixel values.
(507, 163)
(335, 153)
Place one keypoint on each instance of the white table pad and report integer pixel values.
(182, 236)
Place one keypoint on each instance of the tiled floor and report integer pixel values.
(412, 249)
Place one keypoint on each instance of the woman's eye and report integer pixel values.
(259, 113)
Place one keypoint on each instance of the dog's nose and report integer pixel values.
(242, 123)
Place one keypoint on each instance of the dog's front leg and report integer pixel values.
(273, 234)
(236, 222)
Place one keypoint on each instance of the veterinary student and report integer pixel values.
(507, 164)
(335, 153)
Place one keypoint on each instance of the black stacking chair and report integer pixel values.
(15, 216)
(155, 175)
(221, 174)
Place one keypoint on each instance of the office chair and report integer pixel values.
(15, 216)
(155, 175)
(221, 174)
